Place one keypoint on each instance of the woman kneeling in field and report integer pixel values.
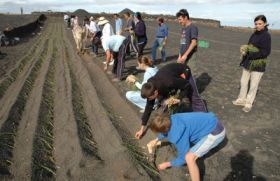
(204, 130)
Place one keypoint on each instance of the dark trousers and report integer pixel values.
(197, 103)
(96, 42)
(132, 45)
(119, 58)
(141, 47)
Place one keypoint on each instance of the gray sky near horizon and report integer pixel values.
(229, 12)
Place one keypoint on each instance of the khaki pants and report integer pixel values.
(245, 95)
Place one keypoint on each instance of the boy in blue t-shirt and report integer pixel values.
(204, 130)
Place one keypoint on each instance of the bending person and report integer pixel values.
(145, 64)
(203, 130)
(167, 81)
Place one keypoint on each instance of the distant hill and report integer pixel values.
(81, 13)
(126, 10)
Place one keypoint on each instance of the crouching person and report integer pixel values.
(115, 46)
(203, 130)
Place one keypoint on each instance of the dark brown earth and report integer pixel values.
(250, 151)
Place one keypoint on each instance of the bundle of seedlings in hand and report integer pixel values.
(130, 80)
(152, 151)
(244, 49)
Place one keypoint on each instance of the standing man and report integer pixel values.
(130, 26)
(188, 40)
(161, 40)
(140, 32)
(95, 35)
(119, 24)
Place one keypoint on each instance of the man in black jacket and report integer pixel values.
(166, 82)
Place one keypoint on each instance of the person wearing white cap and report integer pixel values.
(107, 30)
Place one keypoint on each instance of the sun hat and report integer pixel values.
(102, 21)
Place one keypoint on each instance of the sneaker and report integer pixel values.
(115, 80)
(247, 108)
(111, 63)
(142, 110)
(239, 102)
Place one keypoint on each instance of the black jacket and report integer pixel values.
(167, 81)
(261, 40)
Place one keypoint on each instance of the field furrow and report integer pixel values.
(43, 162)
(110, 144)
(11, 86)
(21, 168)
(68, 153)
(9, 129)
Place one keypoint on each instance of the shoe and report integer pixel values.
(239, 102)
(93, 54)
(111, 63)
(142, 111)
(115, 80)
(247, 109)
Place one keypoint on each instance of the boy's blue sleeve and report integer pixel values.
(161, 136)
(180, 160)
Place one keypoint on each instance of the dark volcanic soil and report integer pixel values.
(250, 152)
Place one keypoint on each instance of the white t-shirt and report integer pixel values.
(93, 27)
(106, 33)
(113, 43)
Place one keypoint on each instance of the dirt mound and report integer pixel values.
(15, 20)
(81, 13)
(126, 10)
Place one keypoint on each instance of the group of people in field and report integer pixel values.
(182, 116)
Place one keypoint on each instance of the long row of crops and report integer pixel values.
(43, 162)
(15, 73)
(87, 142)
(9, 128)
(136, 153)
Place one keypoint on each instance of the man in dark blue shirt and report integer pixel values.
(161, 40)
(130, 26)
(188, 40)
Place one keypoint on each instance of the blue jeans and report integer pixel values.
(135, 98)
(95, 42)
(158, 42)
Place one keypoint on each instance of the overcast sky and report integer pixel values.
(229, 12)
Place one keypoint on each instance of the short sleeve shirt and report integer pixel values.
(130, 24)
(187, 35)
(114, 42)
(119, 25)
